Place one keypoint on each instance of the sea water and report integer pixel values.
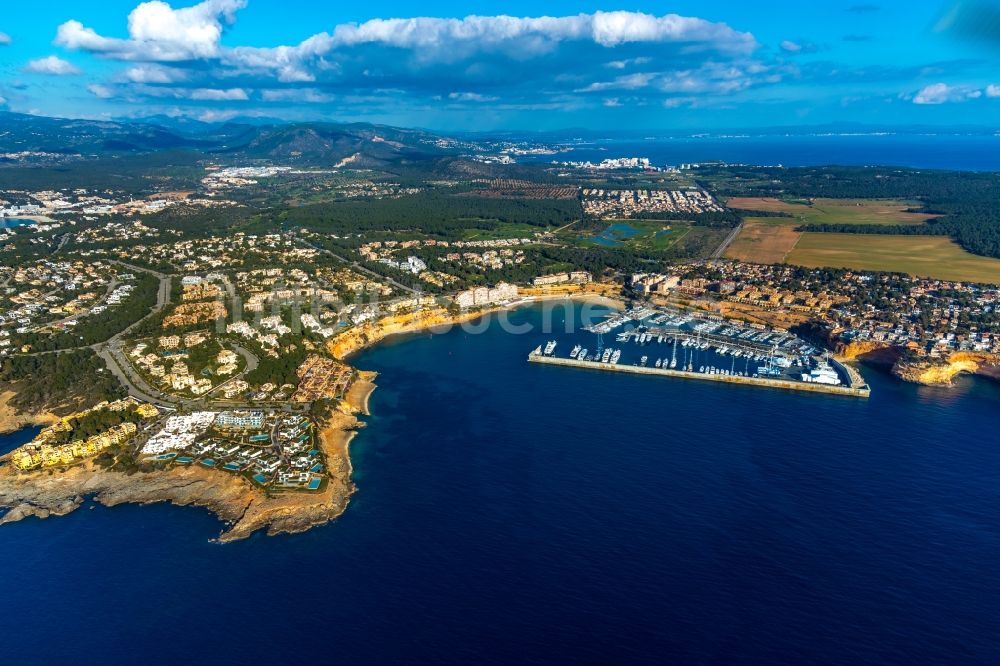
(513, 511)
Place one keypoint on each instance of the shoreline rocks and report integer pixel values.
(241, 506)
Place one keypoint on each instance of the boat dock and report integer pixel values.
(857, 387)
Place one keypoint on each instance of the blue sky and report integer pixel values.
(510, 65)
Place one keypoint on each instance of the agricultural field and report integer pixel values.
(922, 256)
(764, 240)
(835, 211)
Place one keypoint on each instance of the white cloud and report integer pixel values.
(4, 39)
(609, 29)
(941, 93)
(612, 102)
(622, 64)
(178, 53)
(713, 78)
(295, 95)
(154, 74)
(216, 116)
(98, 90)
(797, 48)
(139, 90)
(993, 90)
(217, 95)
(157, 32)
(52, 65)
(627, 82)
(470, 97)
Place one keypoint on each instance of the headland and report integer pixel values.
(243, 506)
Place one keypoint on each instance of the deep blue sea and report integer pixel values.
(515, 513)
(931, 151)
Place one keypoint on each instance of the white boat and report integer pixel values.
(642, 361)
(550, 347)
(617, 354)
(659, 363)
(583, 354)
(823, 374)
(575, 352)
(606, 355)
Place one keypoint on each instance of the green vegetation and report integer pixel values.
(278, 371)
(50, 379)
(431, 213)
(94, 329)
(94, 423)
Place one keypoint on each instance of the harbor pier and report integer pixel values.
(855, 389)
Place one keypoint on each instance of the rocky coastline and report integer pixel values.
(942, 372)
(925, 371)
(243, 508)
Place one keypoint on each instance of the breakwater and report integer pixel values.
(855, 390)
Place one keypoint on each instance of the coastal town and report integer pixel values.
(502, 333)
(224, 353)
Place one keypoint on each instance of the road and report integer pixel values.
(726, 242)
(136, 385)
(358, 267)
(62, 242)
(114, 357)
(162, 299)
(111, 287)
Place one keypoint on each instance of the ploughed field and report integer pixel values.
(764, 240)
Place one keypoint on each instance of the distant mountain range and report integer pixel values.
(360, 144)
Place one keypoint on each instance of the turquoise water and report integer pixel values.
(12, 222)
(512, 512)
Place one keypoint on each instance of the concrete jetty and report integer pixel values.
(857, 389)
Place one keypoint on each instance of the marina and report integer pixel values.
(650, 340)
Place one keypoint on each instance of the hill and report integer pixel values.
(360, 144)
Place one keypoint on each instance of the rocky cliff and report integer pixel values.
(371, 332)
(944, 371)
